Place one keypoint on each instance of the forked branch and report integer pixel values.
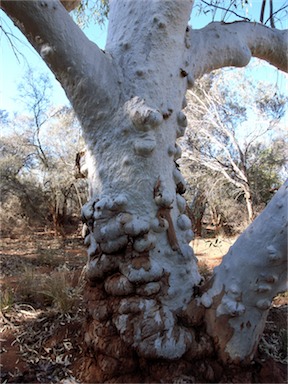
(220, 45)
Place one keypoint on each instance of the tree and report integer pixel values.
(267, 167)
(223, 137)
(21, 197)
(212, 203)
(56, 149)
(37, 160)
(143, 298)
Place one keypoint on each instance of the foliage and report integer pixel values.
(222, 10)
(89, 10)
(57, 289)
(210, 196)
(267, 167)
(22, 197)
(61, 289)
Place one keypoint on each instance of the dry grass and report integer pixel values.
(64, 289)
(61, 288)
(41, 307)
(7, 298)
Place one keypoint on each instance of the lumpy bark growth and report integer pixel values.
(138, 241)
(139, 233)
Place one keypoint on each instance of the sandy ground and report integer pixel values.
(211, 251)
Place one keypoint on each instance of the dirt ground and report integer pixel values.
(211, 250)
(41, 315)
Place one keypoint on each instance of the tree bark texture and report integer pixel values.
(142, 273)
(243, 286)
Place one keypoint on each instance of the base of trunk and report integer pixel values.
(109, 359)
(98, 370)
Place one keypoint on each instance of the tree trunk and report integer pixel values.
(249, 206)
(139, 257)
(143, 312)
(196, 213)
(140, 265)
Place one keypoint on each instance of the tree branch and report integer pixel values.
(215, 121)
(206, 162)
(262, 11)
(271, 15)
(227, 10)
(79, 65)
(275, 13)
(243, 286)
(220, 45)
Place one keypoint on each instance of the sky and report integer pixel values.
(13, 67)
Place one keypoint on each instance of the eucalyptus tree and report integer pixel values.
(48, 130)
(37, 157)
(21, 196)
(144, 299)
(223, 135)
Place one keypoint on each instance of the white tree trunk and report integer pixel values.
(129, 100)
(135, 216)
(249, 206)
(243, 286)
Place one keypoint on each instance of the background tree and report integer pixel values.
(212, 203)
(223, 134)
(143, 298)
(38, 160)
(22, 199)
(267, 169)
